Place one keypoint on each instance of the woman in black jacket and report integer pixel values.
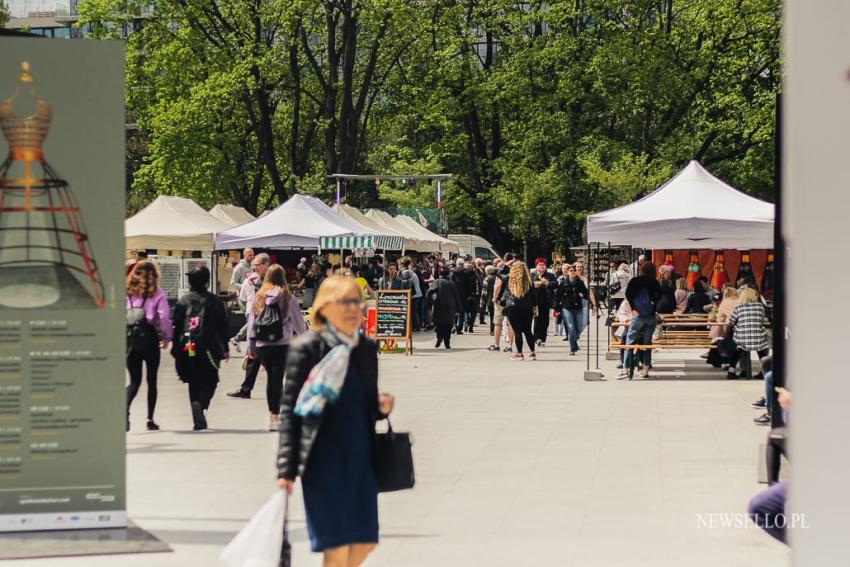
(327, 433)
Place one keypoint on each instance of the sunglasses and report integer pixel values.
(350, 302)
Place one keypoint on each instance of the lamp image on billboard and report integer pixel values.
(46, 257)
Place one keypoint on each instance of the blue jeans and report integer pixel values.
(585, 315)
(640, 333)
(767, 510)
(460, 319)
(572, 319)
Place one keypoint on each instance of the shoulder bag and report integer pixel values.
(394, 456)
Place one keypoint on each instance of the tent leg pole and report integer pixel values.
(587, 266)
(610, 303)
(595, 281)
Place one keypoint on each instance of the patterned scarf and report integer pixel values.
(326, 379)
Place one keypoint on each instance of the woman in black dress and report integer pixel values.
(327, 431)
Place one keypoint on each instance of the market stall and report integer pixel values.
(299, 223)
(385, 238)
(180, 231)
(695, 212)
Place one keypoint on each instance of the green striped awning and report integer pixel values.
(346, 242)
(386, 242)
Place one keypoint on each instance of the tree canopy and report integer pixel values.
(545, 111)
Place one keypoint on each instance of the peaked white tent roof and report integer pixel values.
(173, 223)
(412, 239)
(231, 214)
(298, 223)
(386, 238)
(445, 245)
(693, 209)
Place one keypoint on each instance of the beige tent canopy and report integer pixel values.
(172, 223)
(444, 244)
(385, 237)
(231, 214)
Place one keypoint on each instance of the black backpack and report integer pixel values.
(194, 335)
(268, 326)
(141, 335)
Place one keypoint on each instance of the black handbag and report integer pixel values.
(394, 455)
(615, 287)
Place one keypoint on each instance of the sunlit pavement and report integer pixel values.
(518, 464)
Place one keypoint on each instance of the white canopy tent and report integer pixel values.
(301, 222)
(385, 237)
(231, 214)
(412, 239)
(692, 210)
(444, 244)
(172, 223)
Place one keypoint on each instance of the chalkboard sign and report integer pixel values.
(393, 314)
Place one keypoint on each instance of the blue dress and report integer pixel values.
(340, 489)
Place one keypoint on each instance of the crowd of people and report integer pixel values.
(512, 302)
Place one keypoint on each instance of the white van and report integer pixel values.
(475, 246)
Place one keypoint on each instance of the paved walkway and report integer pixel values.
(518, 464)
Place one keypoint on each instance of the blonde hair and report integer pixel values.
(275, 277)
(519, 280)
(332, 289)
(730, 292)
(749, 295)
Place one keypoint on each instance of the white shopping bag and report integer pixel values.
(258, 544)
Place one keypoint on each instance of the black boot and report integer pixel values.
(198, 417)
(439, 343)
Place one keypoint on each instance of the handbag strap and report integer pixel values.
(286, 515)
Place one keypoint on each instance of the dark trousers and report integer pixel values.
(541, 323)
(444, 334)
(134, 366)
(202, 391)
(520, 319)
(744, 357)
(251, 372)
(274, 359)
(202, 376)
(767, 510)
(415, 308)
(460, 319)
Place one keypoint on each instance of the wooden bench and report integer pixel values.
(675, 332)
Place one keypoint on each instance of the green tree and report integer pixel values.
(5, 14)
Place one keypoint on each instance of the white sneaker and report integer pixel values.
(235, 342)
(274, 424)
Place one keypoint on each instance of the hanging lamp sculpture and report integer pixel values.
(45, 252)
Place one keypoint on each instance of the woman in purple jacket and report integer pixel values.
(144, 294)
(273, 353)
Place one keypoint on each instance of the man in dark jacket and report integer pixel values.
(642, 293)
(446, 301)
(465, 284)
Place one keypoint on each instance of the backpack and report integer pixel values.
(643, 304)
(268, 325)
(141, 335)
(194, 334)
